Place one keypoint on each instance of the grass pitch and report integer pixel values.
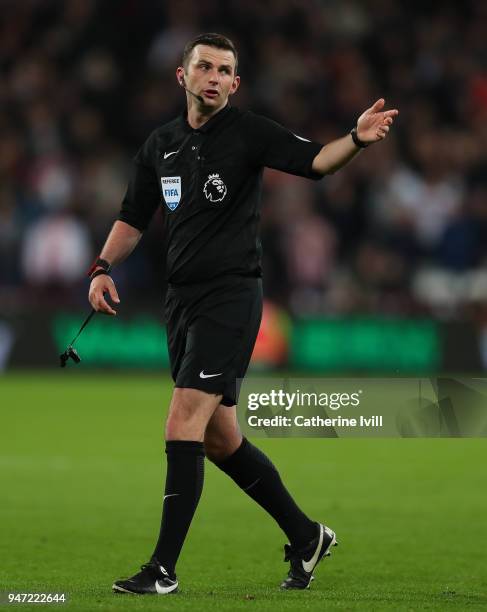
(81, 472)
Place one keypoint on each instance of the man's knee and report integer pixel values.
(189, 413)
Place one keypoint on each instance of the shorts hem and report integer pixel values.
(226, 400)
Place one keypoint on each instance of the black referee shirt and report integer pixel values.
(208, 183)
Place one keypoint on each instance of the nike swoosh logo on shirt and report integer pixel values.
(166, 155)
(301, 138)
(203, 375)
(308, 566)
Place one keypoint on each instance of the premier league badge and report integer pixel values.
(214, 188)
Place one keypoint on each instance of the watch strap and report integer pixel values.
(356, 139)
(99, 263)
(99, 272)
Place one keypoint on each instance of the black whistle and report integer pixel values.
(69, 353)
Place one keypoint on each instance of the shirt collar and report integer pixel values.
(208, 125)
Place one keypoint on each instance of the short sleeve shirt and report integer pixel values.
(208, 183)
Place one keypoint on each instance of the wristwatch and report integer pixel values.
(356, 139)
(100, 263)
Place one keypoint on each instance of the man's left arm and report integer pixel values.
(373, 125)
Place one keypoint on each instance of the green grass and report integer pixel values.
(81, 472)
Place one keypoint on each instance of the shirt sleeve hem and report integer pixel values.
(126, 219)
(312, 174)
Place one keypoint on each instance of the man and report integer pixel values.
(205, 170)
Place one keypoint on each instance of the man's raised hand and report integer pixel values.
(373, 125)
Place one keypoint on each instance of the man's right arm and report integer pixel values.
(121, 241)
(138, 206)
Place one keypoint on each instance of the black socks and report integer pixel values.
(256, 475)
(184, 483)
(250, 469)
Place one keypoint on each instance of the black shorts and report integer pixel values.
(211, 333)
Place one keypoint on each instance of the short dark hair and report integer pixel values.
(212, 40)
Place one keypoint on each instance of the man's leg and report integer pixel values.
(189, 413)
(255, 474)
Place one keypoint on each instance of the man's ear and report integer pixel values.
(235, 85)
(180, 75)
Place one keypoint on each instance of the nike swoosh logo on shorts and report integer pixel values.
(308, 566)
(166, 155)
(203, 375)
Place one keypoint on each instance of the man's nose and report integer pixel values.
(214, 77)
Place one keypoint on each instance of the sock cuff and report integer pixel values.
(241, 451)
(240, 459)
(186, 447)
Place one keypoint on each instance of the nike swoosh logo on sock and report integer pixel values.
(251, 485)
(308, 566)
(170, 495)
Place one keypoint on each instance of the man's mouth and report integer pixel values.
(210, 93)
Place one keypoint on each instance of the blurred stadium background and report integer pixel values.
(379, 268)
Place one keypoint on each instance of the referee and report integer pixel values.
(204, 169)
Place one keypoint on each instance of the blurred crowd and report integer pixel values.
(401, 230)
